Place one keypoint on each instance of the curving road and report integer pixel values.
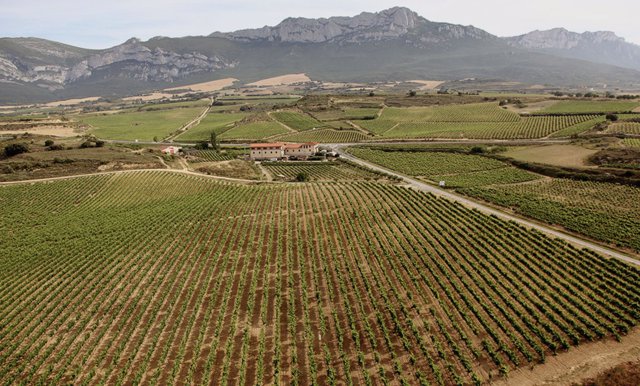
(489, 210)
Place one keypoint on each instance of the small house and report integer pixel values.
(171, 150)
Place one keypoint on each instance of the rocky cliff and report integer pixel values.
(601, 46)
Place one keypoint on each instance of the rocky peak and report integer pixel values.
(388, 24)
(560, 38)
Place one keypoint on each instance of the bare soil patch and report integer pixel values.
(578, 364)
(56, 131)
(427, 84)
(282, 80)
(148, 97)
(213, 85)
(71, 102)
(558, 155)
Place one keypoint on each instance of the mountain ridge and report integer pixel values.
(393, 44)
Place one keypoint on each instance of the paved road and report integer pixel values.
(491, 211)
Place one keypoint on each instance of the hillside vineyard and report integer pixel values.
(155, 277)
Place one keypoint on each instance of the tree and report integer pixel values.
(412, 93)
(302, 177)
(48, 142)
(612, 117)
(371, 93)
(477, 150)
(155, 138)
(15, 149)
(214, 141)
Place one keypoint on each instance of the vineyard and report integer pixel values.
(325, 136)
(603, 211)
(212, 122)
(632, 142)
(590, 107)
(142, 125)
(160, 278)
(254, 131)
(296, 121)
(625, 128)
(526, 128)
(456, 169)
(320, 171)
(215, 156)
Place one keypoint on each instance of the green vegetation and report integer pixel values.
(526, 128)
(455, 169)
(624, 128)
(505, 175)
(632, 142)
(607, 212)
(376, 126)
(321, 171)
(426, 163)
(217, 122)
(474, 112)
(325, 136)
(143, 126)
(157, 278)
(254, 131)
(579, 128)
(296, 121)
(213, 156)
(590, 107)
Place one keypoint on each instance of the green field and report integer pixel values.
(504, 175)
(475, 112)
(143, 126)
(455, 169)
(254, 131)
(624, 128)
(604, 211)
(526, 128)
(320, 171)
(325, 136)
(166, 278)
(212, 122)
(632, 142)
(296, 121)
(590, 107)
(213, 156)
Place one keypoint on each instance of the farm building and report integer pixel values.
(171, 150)
(281, 150)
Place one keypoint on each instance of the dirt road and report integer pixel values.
(491, 211)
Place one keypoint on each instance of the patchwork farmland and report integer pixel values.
(328, 283)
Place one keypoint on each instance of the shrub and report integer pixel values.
(15, 149)
(48, 142)
(302, 177)
(56, 147)
(100, 143)
(612, 117)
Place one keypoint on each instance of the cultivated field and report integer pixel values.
(607, 212)
(325, 136)
(254, 131)
(217, 122)
(141, 125)
(590, 106)
(159, 278)
(296, 121)
(456, 170)
(320, 171)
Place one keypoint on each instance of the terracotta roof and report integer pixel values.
(263, 145)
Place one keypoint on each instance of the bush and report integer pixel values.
(478, 150)
(56, 147)
(302, 177)
(49, 142)
(612, 117)
(87, 144)
(100, 143)
(15, 149)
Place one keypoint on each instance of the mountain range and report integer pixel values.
(394, 44)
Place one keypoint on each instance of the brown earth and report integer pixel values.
(579, 363)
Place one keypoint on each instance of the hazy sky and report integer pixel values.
(101, 24)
